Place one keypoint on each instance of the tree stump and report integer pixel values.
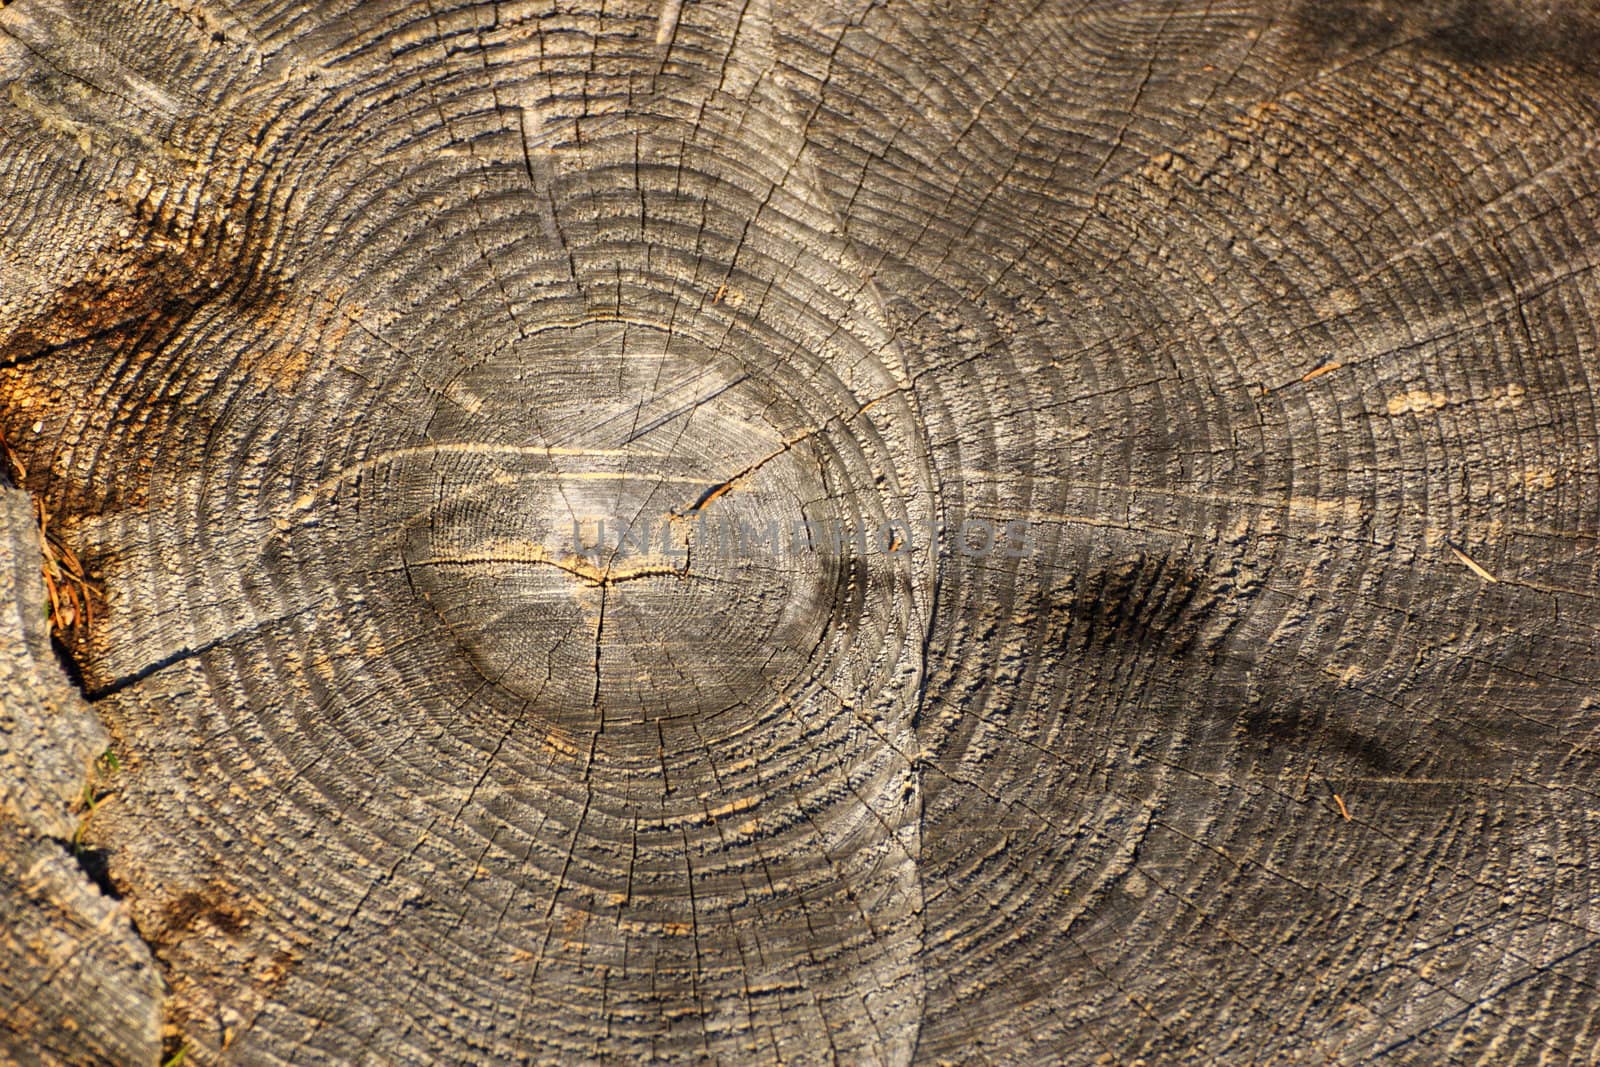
(1100, 500)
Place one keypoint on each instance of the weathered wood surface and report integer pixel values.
(1275, 323)
(76, 983)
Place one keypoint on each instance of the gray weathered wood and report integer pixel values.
(76, 983)
(1275, 323)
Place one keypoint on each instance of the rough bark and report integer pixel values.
(1273, 323)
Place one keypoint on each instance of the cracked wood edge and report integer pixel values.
(76, 984)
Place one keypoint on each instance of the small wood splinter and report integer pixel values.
(1472, 564)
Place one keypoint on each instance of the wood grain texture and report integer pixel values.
(1273, 323)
